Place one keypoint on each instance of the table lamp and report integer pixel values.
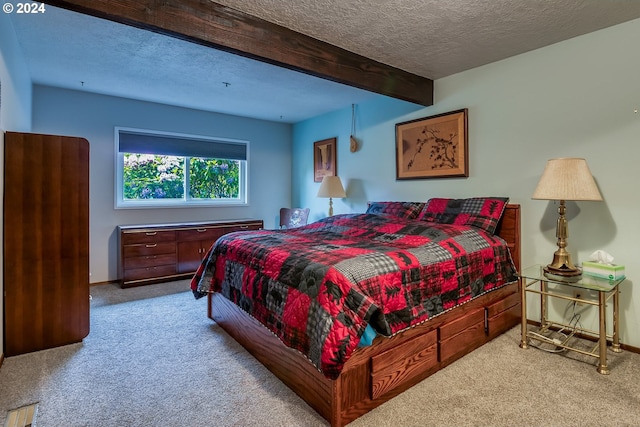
(331, 187)
(565, 179)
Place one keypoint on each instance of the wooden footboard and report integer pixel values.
(377, 373)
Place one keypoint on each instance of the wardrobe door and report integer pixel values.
(46, 241)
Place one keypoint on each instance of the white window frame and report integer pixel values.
(121, 203)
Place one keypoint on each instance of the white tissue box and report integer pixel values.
(604, 271)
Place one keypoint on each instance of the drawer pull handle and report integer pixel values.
(201, 230)
(151, 246)
(244, 226)
(151, 233)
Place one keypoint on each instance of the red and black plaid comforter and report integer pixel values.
(317, 287)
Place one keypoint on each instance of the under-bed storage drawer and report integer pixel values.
(460, 335)
(503, 315)
(393, 367)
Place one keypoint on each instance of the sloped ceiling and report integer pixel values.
(429, 38)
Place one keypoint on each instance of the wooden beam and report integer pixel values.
(220, 27)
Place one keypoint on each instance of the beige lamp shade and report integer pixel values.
(331, 187)
(567, 179)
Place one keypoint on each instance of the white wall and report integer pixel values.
(575, 98)
(15, 111)
(74, 113)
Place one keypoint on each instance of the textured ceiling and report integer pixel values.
(74, 51)
(431, 38)
(437, 38)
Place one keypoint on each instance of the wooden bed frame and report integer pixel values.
(377, 373)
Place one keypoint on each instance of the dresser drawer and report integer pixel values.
(149, 272)
(203, 233)
(149, 261)
(148, 237)
(243, 227)
(149, 249)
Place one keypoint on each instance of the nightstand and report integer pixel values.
(533, 280)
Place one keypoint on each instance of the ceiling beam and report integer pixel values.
(220, 27)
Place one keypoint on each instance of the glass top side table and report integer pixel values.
(551, 286)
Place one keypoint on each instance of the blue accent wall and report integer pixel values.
(367, 174)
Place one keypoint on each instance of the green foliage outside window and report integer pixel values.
(148, 176)
(214, 178)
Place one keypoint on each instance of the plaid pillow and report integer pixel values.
(406, 210)
(480, 212)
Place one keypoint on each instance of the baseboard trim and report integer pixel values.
(1, 359)
(108, 282)
(630, 348)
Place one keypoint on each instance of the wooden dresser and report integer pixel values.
(153, 253)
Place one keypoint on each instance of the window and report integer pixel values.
(161, 169)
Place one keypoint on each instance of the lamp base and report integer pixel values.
(561, 264)
(563, 270)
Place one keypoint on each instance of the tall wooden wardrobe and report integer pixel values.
(46, 241)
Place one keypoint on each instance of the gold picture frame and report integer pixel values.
(433, 147)
(324, 158)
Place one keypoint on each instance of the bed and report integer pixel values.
(245, 275)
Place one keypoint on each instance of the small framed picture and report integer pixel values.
(324, 158)
(433, 147)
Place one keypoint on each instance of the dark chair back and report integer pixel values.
(293, 217)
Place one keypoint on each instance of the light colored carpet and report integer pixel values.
(153, 358)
